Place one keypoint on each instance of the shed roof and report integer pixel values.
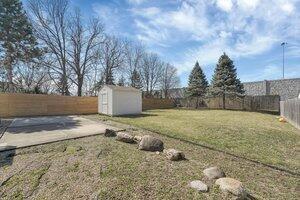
(121, 88)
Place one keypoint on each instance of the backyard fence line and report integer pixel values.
(290, 110)
(154, 103)
(22, 105)
(267, 103)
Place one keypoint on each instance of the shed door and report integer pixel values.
(104, 103)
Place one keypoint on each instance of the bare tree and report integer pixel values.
(30, 77)
(112, 58)
(134, 60)
(151, 72)
(50, 23)
(169, 79)
(84, 45)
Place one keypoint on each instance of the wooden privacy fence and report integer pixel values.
(290, 110)
(268, 103)
(157, 103)
(21, 105)
(17, 105)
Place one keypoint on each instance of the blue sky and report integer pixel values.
(183, 31)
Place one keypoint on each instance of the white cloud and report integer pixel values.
(151, 35)
(225, 5)
(246, 28)
(250, 28)
(110, 16)
(247, 4)
(146, 12)
(288, 8)
(136, 2)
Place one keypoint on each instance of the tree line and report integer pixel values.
(52, 48)
(224, 82)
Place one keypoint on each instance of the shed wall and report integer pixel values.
(126, 102)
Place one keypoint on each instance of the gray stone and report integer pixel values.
(213, 173)
(110, 133)
(232, 186)
(125, 137)
(199, 186)
(137, 138)
(174, 155)
(150, 143)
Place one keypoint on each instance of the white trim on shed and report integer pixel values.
(117, 100)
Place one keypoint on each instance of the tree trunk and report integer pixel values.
(65, 89)
(223, 95)
(79, 87)
(10, 77)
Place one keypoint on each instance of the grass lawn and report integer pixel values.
(248, 134)
(103, 168)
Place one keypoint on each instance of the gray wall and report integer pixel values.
(285, 88)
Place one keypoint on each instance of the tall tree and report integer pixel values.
(84, 47)
(135, 80)
(197, 86)
(151, 72)
(50, 20)
(17, 42)
(133, 59)
(225, 81)
(169, 79)
(112, 58)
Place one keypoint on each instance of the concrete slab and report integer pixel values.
(23, 132)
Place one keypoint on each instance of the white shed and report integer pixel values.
(117, 100)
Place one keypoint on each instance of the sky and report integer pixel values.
(185, 31)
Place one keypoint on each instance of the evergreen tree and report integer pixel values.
(197, 86)
(121, 81)
(17, 42)
(136, 81)
(225, 81)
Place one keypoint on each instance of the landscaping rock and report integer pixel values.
(199, 186)
(233, 186)
(137, 138)
(125, 137)
(110, 133)
(149, 143)
(213, 173)
(174, 155)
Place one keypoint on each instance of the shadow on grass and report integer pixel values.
(137, 116)
(7, 157)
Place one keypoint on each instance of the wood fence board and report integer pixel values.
(251, 103)
(290, 110)
(17, 105)
(20, 105)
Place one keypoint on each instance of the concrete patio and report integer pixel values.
(23, 132)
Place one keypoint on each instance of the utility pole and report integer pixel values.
(283, 45)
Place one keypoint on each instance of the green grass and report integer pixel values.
(109, 169)
(103, 168)
(248, 134)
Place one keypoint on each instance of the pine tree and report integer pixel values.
(197, 86)
(225, 81)
(16, 37)
(136, 81)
